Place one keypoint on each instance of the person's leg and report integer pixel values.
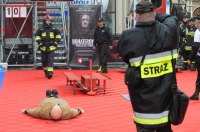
(195, 96)
(192, 64)
(164, 128)
(143, 129)
(50, 64)
(104, 55)
(44, 62)
(99, 48)
(185, 60)
(74, 112)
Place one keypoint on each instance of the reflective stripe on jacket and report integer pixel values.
(155, 65)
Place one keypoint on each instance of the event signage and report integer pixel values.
(83, 24)
(15, 11)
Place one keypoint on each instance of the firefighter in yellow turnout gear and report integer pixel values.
(187, 47)
(48, 39)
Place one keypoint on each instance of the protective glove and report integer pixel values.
(24, 111)
(40, 45)
(80, 110)
(55, 44)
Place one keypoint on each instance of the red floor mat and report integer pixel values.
(103, 113)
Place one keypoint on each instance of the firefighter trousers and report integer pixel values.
(47, 60)
(186, 54)
(158, 129)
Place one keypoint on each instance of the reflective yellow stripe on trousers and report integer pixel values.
(151, 119)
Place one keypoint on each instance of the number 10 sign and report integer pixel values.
(16, 11)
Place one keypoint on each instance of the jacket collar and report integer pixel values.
(146, 24)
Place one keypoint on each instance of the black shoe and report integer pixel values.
(104, 71)
(192, 68)
(48, 93)
(185, 67)
(54, 93)
(49, 75)
(194, 97)
(45, 72)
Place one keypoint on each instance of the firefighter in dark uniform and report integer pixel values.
(102, 40)
(150, 50)
(48, 39)
(195, 55)
(182, 37)
(187, 47)
(183, 30)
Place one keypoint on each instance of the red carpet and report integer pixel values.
(103, 113)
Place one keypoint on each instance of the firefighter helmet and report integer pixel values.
(47, 17)
(47, 20)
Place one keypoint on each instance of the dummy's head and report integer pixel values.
(47, 20)
(56, 112)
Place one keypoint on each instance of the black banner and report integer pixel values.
(83, 21)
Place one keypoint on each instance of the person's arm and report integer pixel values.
(57, 37)
(172, 24)
(122, 47)
(171, 21)
(195, 46)
(95, 40)
(193, 52)
(70, 113)
(38, 38)
(36, 112)
(75, 112)
(95, 37)
(109, 36)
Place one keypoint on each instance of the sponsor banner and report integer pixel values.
(83, 21)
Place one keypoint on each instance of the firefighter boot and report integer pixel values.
(193, 67)
(104, 70)
(49, 74)
(45, 72)
(195, 96)
(100, 69)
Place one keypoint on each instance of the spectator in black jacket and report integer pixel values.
(102, 39)
(195, 55)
